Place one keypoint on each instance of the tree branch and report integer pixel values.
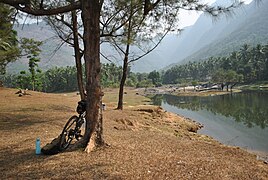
(155, 46)
(25, 6)
(148, 6)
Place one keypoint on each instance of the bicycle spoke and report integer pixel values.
(68, 133)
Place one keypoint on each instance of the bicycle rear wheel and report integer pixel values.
(68, 133)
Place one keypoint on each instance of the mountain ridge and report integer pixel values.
(204, 39)
(249, 26)
(53, 53)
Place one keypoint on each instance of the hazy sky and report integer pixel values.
(189, 17)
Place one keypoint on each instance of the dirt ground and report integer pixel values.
(145, 142)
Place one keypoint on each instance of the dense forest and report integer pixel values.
(248, 65)
(61, 79)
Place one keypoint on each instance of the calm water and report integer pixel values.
(239, 119)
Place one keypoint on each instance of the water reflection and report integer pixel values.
(250, 108)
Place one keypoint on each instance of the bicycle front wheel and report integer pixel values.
(68, 133)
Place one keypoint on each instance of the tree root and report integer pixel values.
(95, 143)
(91, 146)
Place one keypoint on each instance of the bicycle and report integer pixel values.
(72, 128)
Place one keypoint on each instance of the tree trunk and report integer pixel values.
(33, 85)
(222, 86)
(78, 57)
(90, 17)
(122, 82)
(232, 86)
(96, 139)
(125, 65)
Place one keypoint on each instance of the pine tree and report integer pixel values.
(9, 50)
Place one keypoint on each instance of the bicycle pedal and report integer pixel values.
(78, 136)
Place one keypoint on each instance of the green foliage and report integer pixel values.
(31, 49)
(22, 80)
(60, 79)
(231, 76)
(144, 84)
(63, 79)
(110, 75)
(9, 50)
(194, 83)
(155, 78)
(218, 76)
(246, 65)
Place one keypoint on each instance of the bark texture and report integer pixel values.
(97, 139)
(90, 17)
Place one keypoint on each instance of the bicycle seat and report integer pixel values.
(81, 107)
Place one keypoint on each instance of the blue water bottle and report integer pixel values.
(37, 146)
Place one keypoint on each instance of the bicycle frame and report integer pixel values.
(72, 128)
(81, 120)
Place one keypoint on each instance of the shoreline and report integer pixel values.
(260, 155)
(189, 91)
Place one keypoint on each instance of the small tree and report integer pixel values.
(144, 84)
(32, 50)
(155, 77)
(22, 80)
(219, 77)
(194, 83)
(232, 78)
(140, 34)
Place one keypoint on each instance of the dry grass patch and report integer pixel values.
(145, 142)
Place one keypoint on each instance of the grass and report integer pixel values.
(131, 97)
(145, 142)
(262, 85)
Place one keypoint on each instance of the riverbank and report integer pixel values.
(195, 91)
(145, 142)
(259, 86)
(187, 91)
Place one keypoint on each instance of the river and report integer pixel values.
(239, 119)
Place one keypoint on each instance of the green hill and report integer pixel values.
(248, 27)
